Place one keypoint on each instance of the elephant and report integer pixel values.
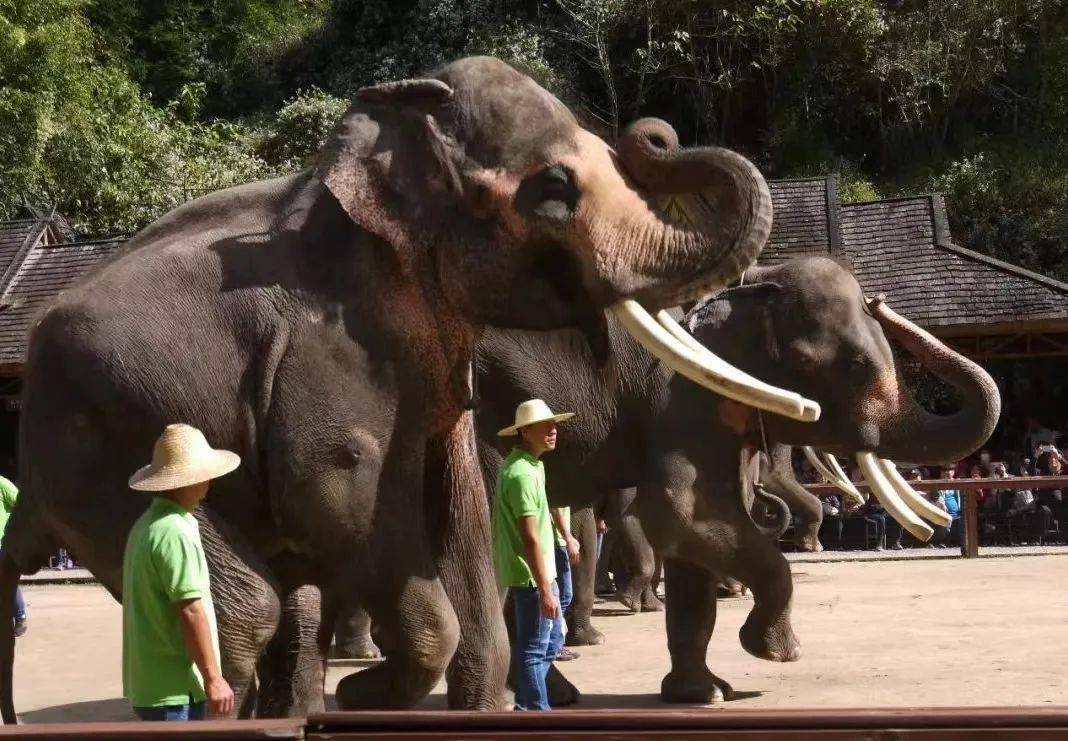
(323, 325)
(690, 453)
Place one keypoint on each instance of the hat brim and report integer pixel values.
(514, 429)
(219, 463)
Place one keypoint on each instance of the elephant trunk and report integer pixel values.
(919, 436)
(783, 515)
(707, 216)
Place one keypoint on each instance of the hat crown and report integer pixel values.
(179, 444)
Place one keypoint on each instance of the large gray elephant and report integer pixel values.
(323, 326)
(690, 453)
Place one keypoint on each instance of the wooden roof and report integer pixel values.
(902, 247)
(36, 278)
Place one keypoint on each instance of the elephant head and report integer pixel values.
(808, 322)
(494, 197)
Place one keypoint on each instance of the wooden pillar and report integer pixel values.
(969, 544)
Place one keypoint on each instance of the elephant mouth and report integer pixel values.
(906, 505)
(675, 347)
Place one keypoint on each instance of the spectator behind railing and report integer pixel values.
(954, 504)
(1049, 464)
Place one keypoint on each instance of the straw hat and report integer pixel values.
(182, 457)
(531, 412)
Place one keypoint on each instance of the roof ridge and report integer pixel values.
(893, 199)
(811, 179)
(84, 242)
(1002, 265)
(19, 258)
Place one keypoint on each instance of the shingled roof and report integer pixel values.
(902, 247)
(805, 220)
(42, 273)
(18, 237)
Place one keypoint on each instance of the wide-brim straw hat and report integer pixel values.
(530, 413)
(182, 457)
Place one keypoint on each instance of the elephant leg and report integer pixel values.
(352, 635)
(247, 608)
(424, 633)
(737, 548)
(634, 589)
(691, 618)
(478, 671)
(806, 507)
(580, 631)
(291, 669)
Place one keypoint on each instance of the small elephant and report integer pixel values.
(690, 453)
(323, 325)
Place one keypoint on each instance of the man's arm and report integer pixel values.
(563, 526)
(196, 633)
(528, 531)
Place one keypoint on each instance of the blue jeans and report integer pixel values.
(532, 645)
(20, 605)
(189, 711)
(563, 586)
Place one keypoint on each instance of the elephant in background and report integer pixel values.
(323, 325)
(690, 453)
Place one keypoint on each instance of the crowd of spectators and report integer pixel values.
(1007, 516)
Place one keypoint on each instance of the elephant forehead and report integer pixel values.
(504, 117)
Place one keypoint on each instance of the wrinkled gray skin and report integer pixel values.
(323, 325)
(803, 325)
(777, 477)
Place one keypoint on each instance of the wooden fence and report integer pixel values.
(969, 546)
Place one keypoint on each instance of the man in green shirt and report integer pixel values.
(9, 493)
(524, 548)
(170, 645)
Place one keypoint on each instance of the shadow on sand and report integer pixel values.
(116, 708)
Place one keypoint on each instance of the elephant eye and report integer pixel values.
(348, 457)
(549, 195)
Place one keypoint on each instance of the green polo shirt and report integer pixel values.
(520, 493)
(8, 494)
(163, 564)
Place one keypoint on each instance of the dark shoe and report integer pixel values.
(566, 654)
(20, 628)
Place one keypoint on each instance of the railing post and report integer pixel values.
(969, 544)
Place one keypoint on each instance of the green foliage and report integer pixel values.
(116, 110)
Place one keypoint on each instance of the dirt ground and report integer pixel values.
(889, 634)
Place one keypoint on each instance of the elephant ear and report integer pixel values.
(391, 155)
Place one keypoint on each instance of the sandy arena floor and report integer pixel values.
(941, 632)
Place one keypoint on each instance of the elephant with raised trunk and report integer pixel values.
(323, 325)
(690, 453)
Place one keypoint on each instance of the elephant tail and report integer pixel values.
(9, 582)
(779, 507)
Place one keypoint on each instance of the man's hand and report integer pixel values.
(602, 527)
(550, 605)
(573, 549)
(220, 696)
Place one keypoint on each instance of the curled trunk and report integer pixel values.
(707, 215)
(916, 434)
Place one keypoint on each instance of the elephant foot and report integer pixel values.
(650, 602)
(358, 648)
(700, 687)
(585, 636)
(630, 596)
(385, 686)
(809, 543)
(776, 642)
(560, 691)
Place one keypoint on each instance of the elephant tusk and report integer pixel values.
(833, 473)
(685, 355)
(884, 491)
(912, 498)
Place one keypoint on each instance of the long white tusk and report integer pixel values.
(685, 355)
(912, 498)
(834, 474)
(884, 490)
